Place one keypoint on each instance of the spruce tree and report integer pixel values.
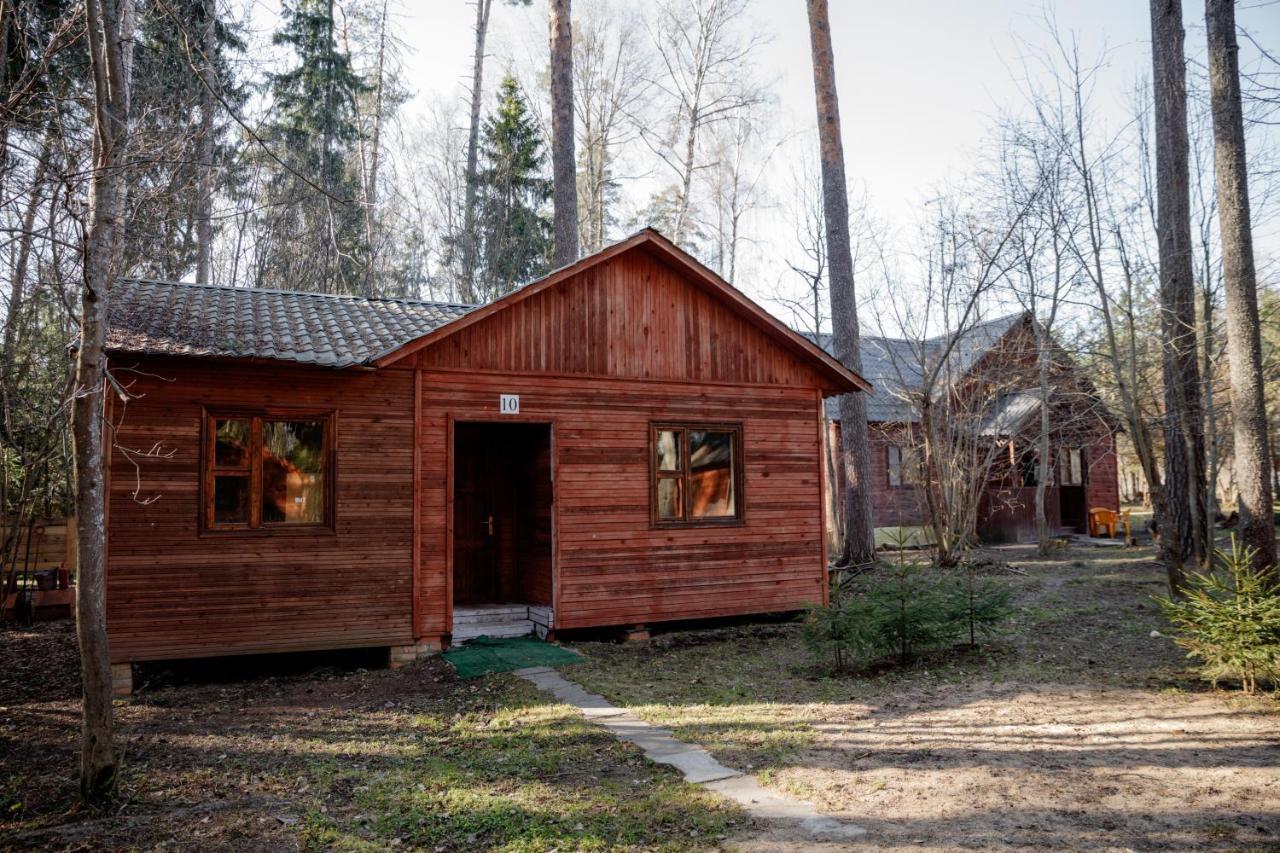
(312, 221)
(513, 230)
(172, 67)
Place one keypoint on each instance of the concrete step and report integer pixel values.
(463, 615)
(491, 608)
(462, 633)
(491, 619)
(501, 620)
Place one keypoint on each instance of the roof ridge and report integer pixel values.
(1003, 318)
(351, 297)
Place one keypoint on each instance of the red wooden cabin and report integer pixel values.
(994, 363)
(628, 440)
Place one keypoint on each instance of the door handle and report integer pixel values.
(489, 523)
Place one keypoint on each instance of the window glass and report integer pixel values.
(293, 472)
(904, 466)
(711, 486)
(670, 506)
(231, 499)
(668, 449)
(1070, 467)
(231, 443)
(695, 474)
(1029, 468)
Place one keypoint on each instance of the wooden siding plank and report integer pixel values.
(174, 592)
(611, 566)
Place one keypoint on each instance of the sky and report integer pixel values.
(919, 84)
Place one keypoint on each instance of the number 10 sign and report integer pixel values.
(509, 404)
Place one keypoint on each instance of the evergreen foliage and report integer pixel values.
(1230, 621)
(661, 212)
(314, 235)
(514, 232)
(167, 98)
(901, 610)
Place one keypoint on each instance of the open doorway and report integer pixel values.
(502, 495)
(1072, 511)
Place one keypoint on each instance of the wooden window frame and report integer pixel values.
(1064, 454)
(739, 517)
(902, 466)
(209, 469)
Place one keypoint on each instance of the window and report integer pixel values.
(697, 474)
(1029, 468)
(1070, 467)
(903, 465)
(267, 471)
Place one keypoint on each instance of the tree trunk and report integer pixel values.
(1182, 531)
(1209, 408)
(1127, 382)
(110, 39)
(473, 145)
(17, 287)
(1045, 471)
(859, 538)
(564, 192)
(204, 189)
(1252, 452)
(688, 163)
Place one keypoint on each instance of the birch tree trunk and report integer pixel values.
(1182, 532)
(564, 191)
(204, 188)
(110, 39)
(1044, 470)
(1252, 453)
(18, 286)
(473, 146)
(859, 538)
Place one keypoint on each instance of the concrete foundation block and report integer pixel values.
(398, 656)
(121, 679)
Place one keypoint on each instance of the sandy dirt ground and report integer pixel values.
(1079, 729)
(1045, 767)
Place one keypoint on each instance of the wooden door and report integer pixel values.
(1072, 509)
(477, 482)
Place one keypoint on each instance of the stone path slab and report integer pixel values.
(771, 805)
(697, 765)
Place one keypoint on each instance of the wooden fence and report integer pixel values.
(52, 543)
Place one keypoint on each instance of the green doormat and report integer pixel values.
(484, 655)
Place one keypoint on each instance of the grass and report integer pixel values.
(1075, 728)
(353, 760)
(753, 694)
(527, 776)
(336, 756)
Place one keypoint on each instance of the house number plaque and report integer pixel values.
(509, 404)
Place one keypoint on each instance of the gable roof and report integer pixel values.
(180, 318)
(660, 248)
(895, 366)
(1010, 413)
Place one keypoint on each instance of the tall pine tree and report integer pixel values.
(513, 230)
(311, 233)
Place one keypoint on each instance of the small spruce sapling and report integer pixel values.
(1229, 619)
